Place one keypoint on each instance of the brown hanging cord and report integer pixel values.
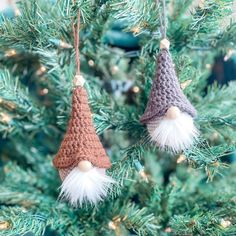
(76, 29)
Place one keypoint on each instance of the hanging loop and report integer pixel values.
(163, 23)
(76, 29)
(79, 79)
(165, 43)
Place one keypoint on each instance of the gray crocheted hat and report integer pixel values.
(166, 91)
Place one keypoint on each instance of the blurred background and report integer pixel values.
(192, 193)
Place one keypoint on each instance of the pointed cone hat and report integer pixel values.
(81, 141)
(166, 91)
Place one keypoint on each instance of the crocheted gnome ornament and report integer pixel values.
(81, 159)
(169, 115)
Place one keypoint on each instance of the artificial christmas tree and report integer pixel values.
(156, 192)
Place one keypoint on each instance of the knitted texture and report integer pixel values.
(80, 141)
(166, 91)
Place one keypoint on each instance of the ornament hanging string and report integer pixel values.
(163, 20)
(76, 29)
(169, 115)
(82, 161)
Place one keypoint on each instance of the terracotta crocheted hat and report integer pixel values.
(166, 91)
(80, 141)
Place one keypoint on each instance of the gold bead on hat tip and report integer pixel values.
(165, 44)
(79, 81)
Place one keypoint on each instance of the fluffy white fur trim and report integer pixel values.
(85, 187)
(173, 134)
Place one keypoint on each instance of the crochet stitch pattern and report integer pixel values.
(165, 91)
(80, 141)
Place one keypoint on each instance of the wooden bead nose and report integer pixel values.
(173, 112)
(85, 166)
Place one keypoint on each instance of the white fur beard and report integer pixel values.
(173, 134)
(85, 187)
